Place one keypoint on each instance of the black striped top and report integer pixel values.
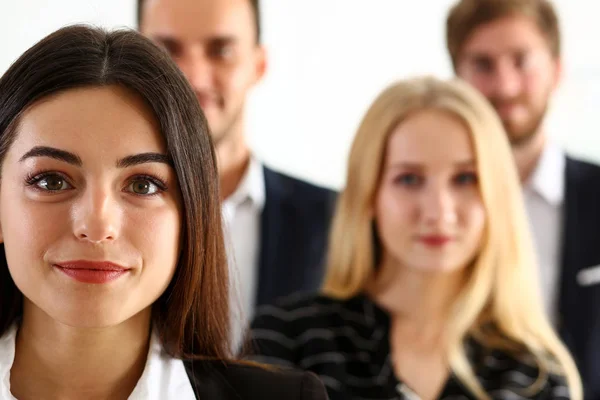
(345, 342)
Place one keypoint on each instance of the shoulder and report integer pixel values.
(302, 328)
(289, 317)
(288, 185)
(503, 372)
(581, 171)
(310, 310)
(214, 379)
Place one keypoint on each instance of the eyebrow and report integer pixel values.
(74, 159)
(51, 152)
(221, 40)
(144, 158)
(479, 55)
(414, 165)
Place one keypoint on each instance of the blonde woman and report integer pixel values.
(431, 289)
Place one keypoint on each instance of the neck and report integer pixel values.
(233, 156)
(527, 155)
(417, 300)
(53, 360)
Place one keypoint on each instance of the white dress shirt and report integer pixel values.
(544, 199)
(242, 216)
(163, 378)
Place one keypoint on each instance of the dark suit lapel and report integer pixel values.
(570, 259)
(272, 240)
(579, 321)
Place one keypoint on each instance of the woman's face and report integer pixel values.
(90, 211)
(429, 213)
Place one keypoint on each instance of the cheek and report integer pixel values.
(156, 235)
(480, 81)
(29, 231)
(394, 212)
(30, 227)
(538, 87)
(475, 218)
(236, 80)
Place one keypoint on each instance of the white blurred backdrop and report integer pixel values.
(328, 59)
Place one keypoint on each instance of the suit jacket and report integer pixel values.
(216, 380)
(579, 298)
(294, 229)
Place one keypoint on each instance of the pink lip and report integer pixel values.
(435, 240)
(91, 271)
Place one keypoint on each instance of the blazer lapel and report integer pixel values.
(579, 301)
(272, 239)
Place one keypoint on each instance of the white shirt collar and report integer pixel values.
(548, 178)
(252, 187)
(163, 378)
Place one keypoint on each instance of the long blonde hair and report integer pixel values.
(501, 289)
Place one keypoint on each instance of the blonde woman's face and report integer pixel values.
(428, 210)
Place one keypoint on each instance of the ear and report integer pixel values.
(260, 63)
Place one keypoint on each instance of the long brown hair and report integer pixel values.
(192, 315)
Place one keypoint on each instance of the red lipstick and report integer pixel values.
(435, 240)
(91, 271)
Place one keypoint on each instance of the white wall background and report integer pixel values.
(330, 58)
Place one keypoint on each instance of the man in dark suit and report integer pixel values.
(510, 51)
(277, 224)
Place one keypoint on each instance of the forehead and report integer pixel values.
(198, 19)
(433, 137)
(91, 121)
(505, 35)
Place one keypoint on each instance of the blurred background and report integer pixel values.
(327, 61)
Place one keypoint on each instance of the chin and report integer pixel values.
(439, 266)
(90, 316)
(86, 319)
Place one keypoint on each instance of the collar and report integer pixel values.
(548, 178)
(7, 358)
(164, 377)
(251, 187)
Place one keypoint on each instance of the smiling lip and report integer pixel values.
(91, 271)
(435, 240)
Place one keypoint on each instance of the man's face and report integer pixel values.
(214, 43)
(510, 62)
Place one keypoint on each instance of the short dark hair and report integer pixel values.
(192, 315)
(467, 15)
(255, 7)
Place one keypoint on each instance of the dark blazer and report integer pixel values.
(347, 344)
(215, 380)
(579, 302)
(294, 229)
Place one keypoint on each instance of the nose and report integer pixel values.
(438, 206)
(507, 82)
(198, 70)
(97, 216)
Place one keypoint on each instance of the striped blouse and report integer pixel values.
(346, 343)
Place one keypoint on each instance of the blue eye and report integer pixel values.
(408, 180)
(467, 178)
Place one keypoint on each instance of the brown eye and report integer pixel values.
(53, 183)
(143, 187)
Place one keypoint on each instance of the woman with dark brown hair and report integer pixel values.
(113, 274)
